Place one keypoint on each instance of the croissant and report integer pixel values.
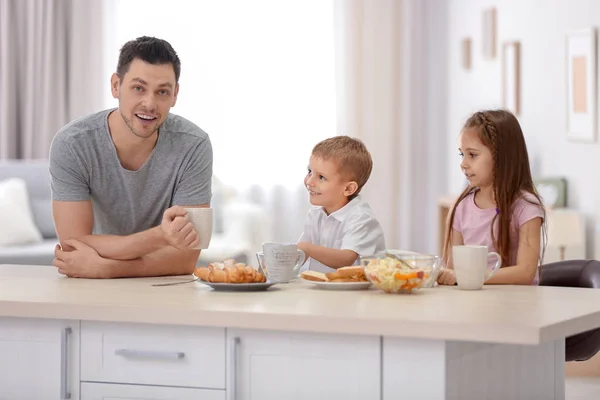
(230, 262)
(237, 273)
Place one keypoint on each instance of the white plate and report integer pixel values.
(238, 287)
(340, 285)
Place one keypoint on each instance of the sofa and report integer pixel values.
(37, 181)
(240, 227)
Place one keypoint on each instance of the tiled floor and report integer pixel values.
(582, 388)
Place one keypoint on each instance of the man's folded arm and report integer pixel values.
(75, 220)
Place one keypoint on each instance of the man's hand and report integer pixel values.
(177, 229)
(82, 262)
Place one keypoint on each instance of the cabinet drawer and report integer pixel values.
(153, 354)
(107, 391)
(297, 366)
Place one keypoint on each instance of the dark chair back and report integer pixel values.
(575, 273)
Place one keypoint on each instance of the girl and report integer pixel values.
(500, 207)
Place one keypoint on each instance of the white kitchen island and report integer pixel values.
(105, 339)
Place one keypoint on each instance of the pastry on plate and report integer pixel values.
(347, 274)
(344, 274)
(229, 272)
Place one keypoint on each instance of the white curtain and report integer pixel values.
(268, 79)
(391, 93)
(368, 45)
(50, 55)
(258, 77)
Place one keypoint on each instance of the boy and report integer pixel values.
(341, 227)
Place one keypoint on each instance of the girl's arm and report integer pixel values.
(528, 255)
(447, 276)
(457, 240)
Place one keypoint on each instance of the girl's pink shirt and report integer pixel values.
(474, 224)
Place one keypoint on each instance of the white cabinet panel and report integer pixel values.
(265, 365)
(39, 359)
(153, 354)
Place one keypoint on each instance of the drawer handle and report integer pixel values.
(160, 355)
(64, 364)
(233, 379)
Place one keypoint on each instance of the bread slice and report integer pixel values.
(353, 268)
(314, 276)
(346, 272)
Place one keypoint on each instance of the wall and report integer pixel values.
(435, 115)
(541, 27)
(367, 71)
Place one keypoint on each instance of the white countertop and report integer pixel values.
(502, 314)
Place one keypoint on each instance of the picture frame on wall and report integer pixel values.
(465, 48)
(581, 60)
(511, 77)
(489, 33)
(553, 191)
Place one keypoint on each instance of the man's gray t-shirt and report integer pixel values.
(84, 166)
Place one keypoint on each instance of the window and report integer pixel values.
(257, 76)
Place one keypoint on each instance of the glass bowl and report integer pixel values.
(396, 271)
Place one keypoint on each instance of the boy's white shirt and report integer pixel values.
(352, 227)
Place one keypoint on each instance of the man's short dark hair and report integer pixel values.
(151, 50)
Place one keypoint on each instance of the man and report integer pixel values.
(121, 177)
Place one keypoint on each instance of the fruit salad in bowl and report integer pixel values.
(395, 272)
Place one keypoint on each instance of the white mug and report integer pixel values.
(470, 265)
(281, 262)
(202, 219)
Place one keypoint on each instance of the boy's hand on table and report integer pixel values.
(304, 247)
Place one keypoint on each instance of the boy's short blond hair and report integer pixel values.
(351, 156)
